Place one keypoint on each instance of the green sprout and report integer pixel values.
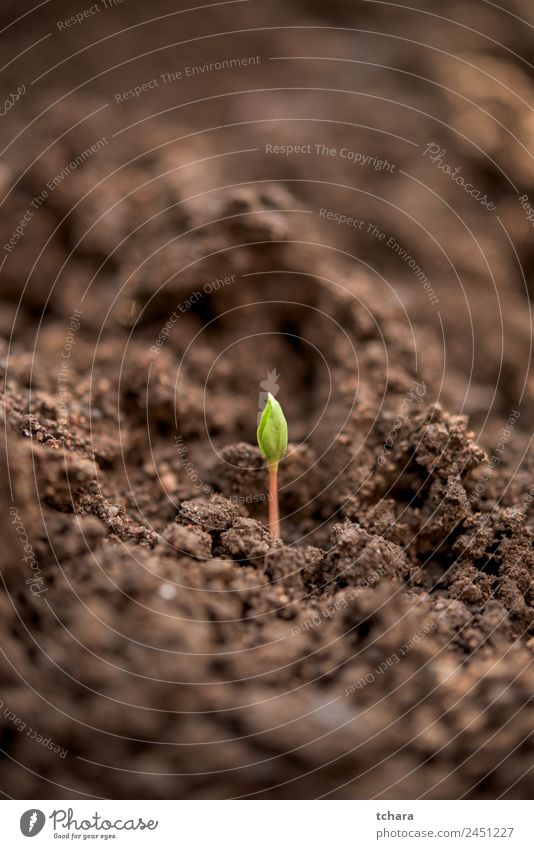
(272, 440)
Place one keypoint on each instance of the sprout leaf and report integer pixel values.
(272, 431)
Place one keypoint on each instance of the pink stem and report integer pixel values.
(274, 514)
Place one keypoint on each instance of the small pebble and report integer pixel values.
(167, 591)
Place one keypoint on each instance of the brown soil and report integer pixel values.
(156, 637)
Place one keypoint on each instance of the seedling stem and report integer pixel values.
(272, 440)
(274, 510)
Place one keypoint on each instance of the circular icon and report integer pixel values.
(32, 822)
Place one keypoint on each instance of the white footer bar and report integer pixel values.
(268, 824)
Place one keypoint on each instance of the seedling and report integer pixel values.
(272, 440)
